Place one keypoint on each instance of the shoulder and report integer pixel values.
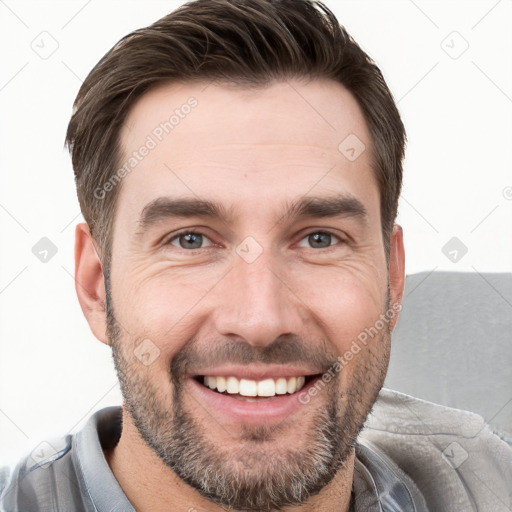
(68, 474)
(452, 456)
(65, 474)
(44, 480)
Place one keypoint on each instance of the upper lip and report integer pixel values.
(252, 372)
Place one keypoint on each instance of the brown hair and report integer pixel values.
(248, 42)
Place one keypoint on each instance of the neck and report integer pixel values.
(151, 486)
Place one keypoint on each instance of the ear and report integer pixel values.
(89, 282)
(396, 271)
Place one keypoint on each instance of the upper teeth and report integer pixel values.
(245, 387)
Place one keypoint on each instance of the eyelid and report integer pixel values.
(324, 232)
(197, 231)
(189, 231)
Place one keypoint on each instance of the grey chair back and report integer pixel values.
(453, 343)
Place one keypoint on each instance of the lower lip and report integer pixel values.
(260, 412)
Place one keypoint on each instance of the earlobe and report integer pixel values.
(89, 282)
(396, 271)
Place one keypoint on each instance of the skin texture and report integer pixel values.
(254, 152)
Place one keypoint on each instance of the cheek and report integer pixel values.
(346, 304)
(163, 307)
(351, 308)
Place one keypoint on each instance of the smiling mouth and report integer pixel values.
(246, 389)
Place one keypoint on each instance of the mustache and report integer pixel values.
(286, 349)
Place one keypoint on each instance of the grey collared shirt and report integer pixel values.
(76, 477)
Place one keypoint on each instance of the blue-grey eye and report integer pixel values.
(319, 240)
(190, 241)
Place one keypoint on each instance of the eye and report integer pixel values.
(319, 240)
(190, 240)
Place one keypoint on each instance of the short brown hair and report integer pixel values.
(248, 42)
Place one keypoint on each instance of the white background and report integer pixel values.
(458, 178)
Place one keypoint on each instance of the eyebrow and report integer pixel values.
(337, 206)
(166, 208)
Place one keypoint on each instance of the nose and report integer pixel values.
(257, 304)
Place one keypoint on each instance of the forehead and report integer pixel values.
(245, 145)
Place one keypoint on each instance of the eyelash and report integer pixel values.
(191, 232)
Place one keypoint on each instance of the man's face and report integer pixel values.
(247, 248)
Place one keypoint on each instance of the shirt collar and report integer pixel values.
(379, 485)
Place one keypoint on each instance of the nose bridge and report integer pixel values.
(255, 304)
